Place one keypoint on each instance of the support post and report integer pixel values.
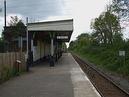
(30, 52)
(56, 51)
(27, 37)
(52, 47)
(32, 45)
(52, 50)
(27, 46)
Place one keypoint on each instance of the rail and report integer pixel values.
(102, 82)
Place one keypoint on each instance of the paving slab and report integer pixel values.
(66, 79)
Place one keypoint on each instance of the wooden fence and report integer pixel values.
(8, 61)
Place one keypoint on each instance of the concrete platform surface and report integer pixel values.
(66, 79)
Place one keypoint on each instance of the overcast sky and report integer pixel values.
(82, 11)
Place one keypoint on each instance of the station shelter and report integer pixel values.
(45, 40)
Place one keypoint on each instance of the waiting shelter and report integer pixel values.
(45, 39)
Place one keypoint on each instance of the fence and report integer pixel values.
(8, 62)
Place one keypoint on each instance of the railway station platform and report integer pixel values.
(66, 79)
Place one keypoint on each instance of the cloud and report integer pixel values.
(82, 11)
(1, 23)
(1, 20)
(9, 18)
(52, 18)
(34, 9)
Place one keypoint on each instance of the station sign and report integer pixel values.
(121, 53)
(62, 37)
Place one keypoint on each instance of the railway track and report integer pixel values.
(105, 86)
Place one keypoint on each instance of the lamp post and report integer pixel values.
(5, 13)
(27, 47)
(5, 23)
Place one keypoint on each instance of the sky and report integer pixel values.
(81, 11)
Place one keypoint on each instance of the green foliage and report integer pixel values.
(64, 47)
(2, 43)
(105, 27)
(7, 72)
(103, 45)
(82, 40)
(121, 8)
(20, 28)
(16, 28)
(104, 56)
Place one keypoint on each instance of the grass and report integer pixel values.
(7, 73)
(106, 58)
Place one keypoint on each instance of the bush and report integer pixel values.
(105, 57)
(7, 73)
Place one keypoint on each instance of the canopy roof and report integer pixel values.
(62, 28)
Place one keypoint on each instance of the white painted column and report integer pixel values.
(52, 47)
(32, 48)
(32, 45)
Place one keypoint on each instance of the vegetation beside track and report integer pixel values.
(103, 44)
(106, 58)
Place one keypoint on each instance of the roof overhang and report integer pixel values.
(62, 28)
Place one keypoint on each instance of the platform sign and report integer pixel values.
(62, 37)
(121, 53)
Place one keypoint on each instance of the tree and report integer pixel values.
(14, 20)
(21, 28)
(15, 29)
(72, 45)
(105, 27)
(121, 8)
(84, 39)
(2, 49)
